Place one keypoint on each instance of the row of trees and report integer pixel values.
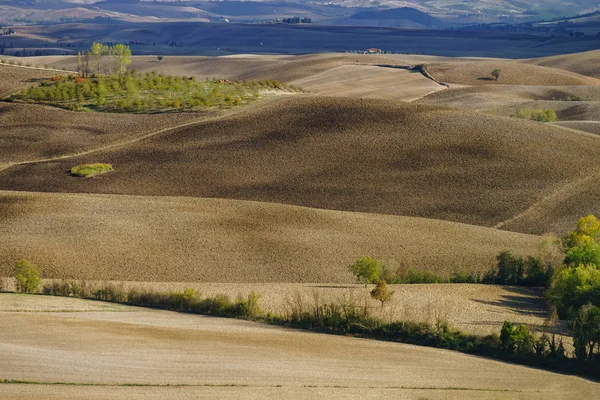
(93, 61)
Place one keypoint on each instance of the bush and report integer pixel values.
(89, 170)
(27, 277)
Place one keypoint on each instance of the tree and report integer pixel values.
(586, 333)
(496, 73)
(80, 64)
(573, 287)
(97, 51)
(27, 277)
(160, 58)
(122, 58)
(367, 270)
(381, 293)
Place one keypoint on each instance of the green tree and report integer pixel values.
(160, 58)
(573, 287)
(381, 293)
(97, 51)
(121, 57)
(367, 270)
(516, 339)
(496, 73)
(586, 333)
(27, 277)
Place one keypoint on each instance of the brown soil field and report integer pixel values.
(414, 160)
(33, 132)
(512, 73)
(585, 63)
(370, 82)
(232, 358)
(102, 237)
(14, 79)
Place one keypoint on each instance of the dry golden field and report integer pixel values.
(102, 352)
(585, 63)
(477, 73)
(413, 160)
(145, 239)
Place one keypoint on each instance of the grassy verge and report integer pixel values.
(344, 317)
(89, 170)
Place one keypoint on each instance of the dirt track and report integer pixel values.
(158, 348)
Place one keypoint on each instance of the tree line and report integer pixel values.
(94, 61)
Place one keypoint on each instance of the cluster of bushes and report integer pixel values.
(545, 115)
(509, 270)
(145, 92)
(89, 170)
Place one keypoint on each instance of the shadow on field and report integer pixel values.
(524, 301)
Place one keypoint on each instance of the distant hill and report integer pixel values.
(403, 13)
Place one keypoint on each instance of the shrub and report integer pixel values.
(27, 277)
(89, 170)
(496, 73)
(381, 293)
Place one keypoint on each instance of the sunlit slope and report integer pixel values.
(211, 240)
(511, 73)
(586, 63)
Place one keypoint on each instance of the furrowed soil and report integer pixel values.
(231, 358)
(109, 237)
(349, 154)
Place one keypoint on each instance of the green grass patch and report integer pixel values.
(147, 93)
(89, 170)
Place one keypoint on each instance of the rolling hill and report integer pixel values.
(585, 63)
(346, 154)
(512, 73)
(133, 238)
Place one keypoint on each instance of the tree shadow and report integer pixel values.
(524, 301)
(486, 78)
